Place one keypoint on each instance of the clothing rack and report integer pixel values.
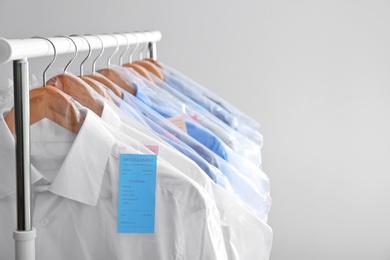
(19, 51)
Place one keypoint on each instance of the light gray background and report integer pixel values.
(315, 74)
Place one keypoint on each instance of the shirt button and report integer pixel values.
(43, 222)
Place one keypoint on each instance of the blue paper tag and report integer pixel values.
(137, 193)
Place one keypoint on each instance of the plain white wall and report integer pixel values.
(315, 74)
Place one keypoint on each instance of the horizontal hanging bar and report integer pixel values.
(17, 49)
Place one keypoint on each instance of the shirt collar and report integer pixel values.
(81, 174)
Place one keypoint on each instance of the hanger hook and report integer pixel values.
(136, 46)
(127, 48)
(54, 57)
(116, 50)
(146, 44)
(100, 54)
(88, 55)
(75, 52)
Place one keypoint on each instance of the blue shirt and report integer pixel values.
(218, 111)
(160, 121)
(245, 146)
(214, 104)
(199, 133)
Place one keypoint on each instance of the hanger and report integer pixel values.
(74, 86)
(118, 77)
(49, 102)
(155, 62)
(100, 78)
(138, 68)
(97, 86)
(148, 65)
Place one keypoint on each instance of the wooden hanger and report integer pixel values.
(97, 77)
(150, 67)
(120, 78)
(78, 89)
(145, 64)
(141, 70)
(97, 86)
(75, 87)
(49, 102)
(141, 67)
(106, 82)
(117, 76)
(155, 62)
(105, 75)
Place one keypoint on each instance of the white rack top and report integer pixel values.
(17, 49)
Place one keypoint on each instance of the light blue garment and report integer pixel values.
(214, 103)
(198, 132)
(242, 163)
(201, 100)
(239, 143)
(173, 131)
(205, 159)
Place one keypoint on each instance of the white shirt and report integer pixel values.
(75, 196)
(246, 237)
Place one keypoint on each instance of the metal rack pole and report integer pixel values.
(25, 234)
(22, 143)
